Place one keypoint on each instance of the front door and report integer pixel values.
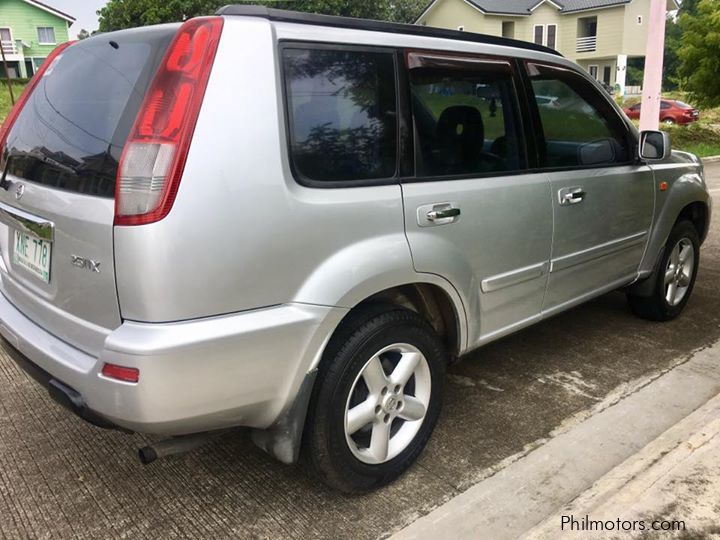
(603, 200)
(606, 74)
(473, 213)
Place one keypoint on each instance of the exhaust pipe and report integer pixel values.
(175, 445)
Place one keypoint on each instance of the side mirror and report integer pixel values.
(597, 152)
(654, 145)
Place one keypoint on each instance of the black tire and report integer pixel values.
(655, 307)
(325, 450)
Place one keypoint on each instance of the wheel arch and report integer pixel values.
(434, 304)
(696, 213)
(693, 210)
(433, 298)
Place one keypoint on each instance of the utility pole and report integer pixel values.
(652, 80)
(7, 73)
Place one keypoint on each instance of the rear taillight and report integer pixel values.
(52, 58)
(154, 157)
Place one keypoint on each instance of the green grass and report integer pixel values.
(5, 102)
(701, 149)
(494, 124)
(700, 138)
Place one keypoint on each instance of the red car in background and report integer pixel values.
(671, 112)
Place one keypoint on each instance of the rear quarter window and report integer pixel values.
(342, 110)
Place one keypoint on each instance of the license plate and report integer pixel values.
(33, 254)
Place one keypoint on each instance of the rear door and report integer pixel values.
(60, 163)
(473, 213)
(603, 199)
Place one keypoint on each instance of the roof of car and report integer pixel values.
(378, 26)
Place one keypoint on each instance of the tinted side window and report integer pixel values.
(580, 127)
(342, 109)
(465, 117)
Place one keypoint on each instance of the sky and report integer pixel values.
(82, 10)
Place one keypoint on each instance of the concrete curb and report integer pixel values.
(524, 494)
(652, 483)
(711, 159)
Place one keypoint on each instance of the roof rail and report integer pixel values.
(376, 26)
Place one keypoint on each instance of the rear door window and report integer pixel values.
(72, 130)
(580, 128)
(342, 108)
(465, 116)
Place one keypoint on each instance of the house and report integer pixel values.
(29, 31)
(599, 35)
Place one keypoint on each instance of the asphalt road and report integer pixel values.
(60, 477)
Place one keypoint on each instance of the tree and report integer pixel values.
(83, 34)
(635, 70)
(671, 62)
(118, 14)
(699, 53)
(689, 7)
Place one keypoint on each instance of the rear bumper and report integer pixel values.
(236, 370)
(60, 392)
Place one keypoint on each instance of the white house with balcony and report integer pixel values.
(600, 35)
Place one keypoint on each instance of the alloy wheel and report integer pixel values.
(679, 271)
(387, 403)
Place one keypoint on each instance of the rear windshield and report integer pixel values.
(72, 130)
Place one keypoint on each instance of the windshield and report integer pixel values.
(71, 132)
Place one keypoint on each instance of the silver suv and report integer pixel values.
(293, 223)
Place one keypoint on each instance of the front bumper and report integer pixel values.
(236, 370)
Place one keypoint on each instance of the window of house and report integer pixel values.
(593, 70)
(580, 127)
(343, 113)
(46, 35)
(539, 34)
(552, 36)
(508, 29)
(6, 41)
(465, 118)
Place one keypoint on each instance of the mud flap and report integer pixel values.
(282, 439)
(646, 286)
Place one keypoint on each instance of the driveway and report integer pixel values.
(60, 477)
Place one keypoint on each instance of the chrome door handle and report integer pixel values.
(434, 215)
(571, 195)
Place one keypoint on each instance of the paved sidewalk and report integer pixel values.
(673, 484)
(649, 456)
